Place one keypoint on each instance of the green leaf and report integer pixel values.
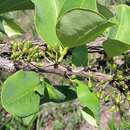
(80, 26)
(115, 47)
(28, 120)
(9, 27)
(41, 89)
(88, 116)
(119, 37)
(80, 56)
(47, 13)
(112, 32)
(12, 5)
(123, 19)
(68, 91)
(67, 94)
(104, 11)
(88, 99)
(18, 94)
(53, 94)
(72, 4)
(45, 19)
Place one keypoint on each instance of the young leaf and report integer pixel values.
(80, 26)
(12, 5)
(11, 28)
(18, 94)
(88, 116)
(88, 99)
(120, 40)
(80, 56)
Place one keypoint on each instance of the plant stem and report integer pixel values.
(65, 50)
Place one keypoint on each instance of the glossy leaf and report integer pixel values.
(80, 26)
(80, 56)
(12, 5)
(88, 99)
(119, 39)
(18, 94)
(47, 13)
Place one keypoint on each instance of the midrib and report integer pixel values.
(55, 6)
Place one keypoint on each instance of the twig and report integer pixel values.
(10, 66)
(60, 70)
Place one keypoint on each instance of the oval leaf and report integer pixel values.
(88, 116)
(80, 26)
(119, 33)
(48, 12)
(9, 27)
(18, 94)
(88, 99)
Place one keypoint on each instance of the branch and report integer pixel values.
(11, 66)
(61, 70)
